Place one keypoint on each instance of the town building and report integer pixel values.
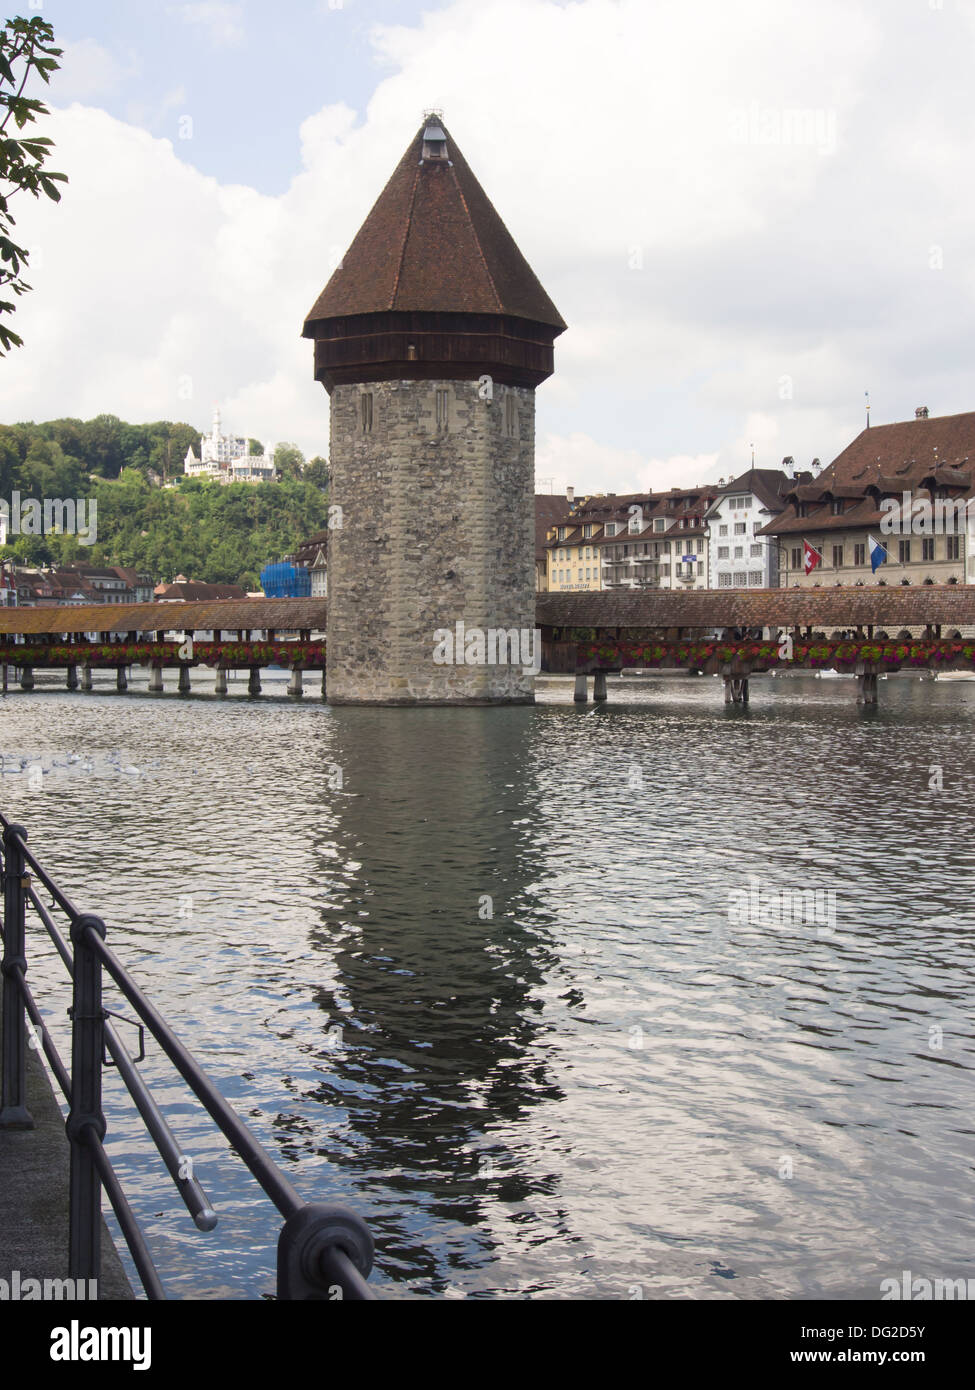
(183, 590)
(430, 339)
(313, 555)
(741, 555)
(550, 509)
(927, 463)
(639, 540)
(73, 586)
(224, 458)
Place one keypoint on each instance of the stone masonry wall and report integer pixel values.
(437, 527)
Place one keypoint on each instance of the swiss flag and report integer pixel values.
(810, 557)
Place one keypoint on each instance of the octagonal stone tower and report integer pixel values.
(430, 339)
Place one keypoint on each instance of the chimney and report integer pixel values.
(921, 413)
(570, 494)
(815, 466)
(789, 466)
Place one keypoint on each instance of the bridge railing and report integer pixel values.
(324, 1251)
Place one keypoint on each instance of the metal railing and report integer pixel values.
(324, 1251)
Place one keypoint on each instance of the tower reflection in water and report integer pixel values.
(432, 951)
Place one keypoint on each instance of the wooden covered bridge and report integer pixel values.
(865, 631)
(226, 634)
(733, 633)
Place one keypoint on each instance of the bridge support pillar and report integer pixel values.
(294, 685)
(86, 676)
(736, 690)
(867, 688)
(155, 680)
(183, 687)
(27, 678)
(254, 683)
(71, 678)
(220, 687)
(599, 686)
(324, 684)
(120, 681)
(581, 694)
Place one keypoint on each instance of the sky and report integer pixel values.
(749, 212)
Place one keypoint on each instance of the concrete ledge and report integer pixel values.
(34, 1176)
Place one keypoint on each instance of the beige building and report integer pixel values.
(906, 486)
(655, 540)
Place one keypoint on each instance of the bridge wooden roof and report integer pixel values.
(284, 614)
(903, 606)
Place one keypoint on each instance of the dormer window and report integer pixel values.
(434, 143)
(837, 506)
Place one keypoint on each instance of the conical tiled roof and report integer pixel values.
(433, 243)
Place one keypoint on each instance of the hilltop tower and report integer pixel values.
(430, 339)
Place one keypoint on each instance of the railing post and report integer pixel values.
(87, 1039)
(13, 1104)
(311, 1247)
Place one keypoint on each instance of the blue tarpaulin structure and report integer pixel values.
(284, 580)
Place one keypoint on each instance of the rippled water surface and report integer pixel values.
(473, 972)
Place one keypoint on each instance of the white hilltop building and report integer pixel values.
(224, 457)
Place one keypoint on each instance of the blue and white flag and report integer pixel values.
(878, 555)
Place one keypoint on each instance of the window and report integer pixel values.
(587, 530)
(588, 575)
(723, 552)
(562, 531)
(739, 552)
(836, 506)
(927, 550)
(722, 530)
(800, 509)
(904, 552)
(860, 554)
(443, 409)
(755, 578)
(724, 581)
(837, 557)
(740, 528)
(365, 406)
(611, 528)
(953, 548)
(510, 414)
(659, 524)
(741, 579)
(795, 558)
(757, 525)
(580, 552)
(700, 567)
(755, 549)
(579, 573)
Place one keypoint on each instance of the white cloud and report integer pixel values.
(222, 21)
(581, 462)
(702, 254)
(88, 71)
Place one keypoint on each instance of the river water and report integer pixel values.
(521, 985)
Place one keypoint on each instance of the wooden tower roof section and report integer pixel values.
(433, 243)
